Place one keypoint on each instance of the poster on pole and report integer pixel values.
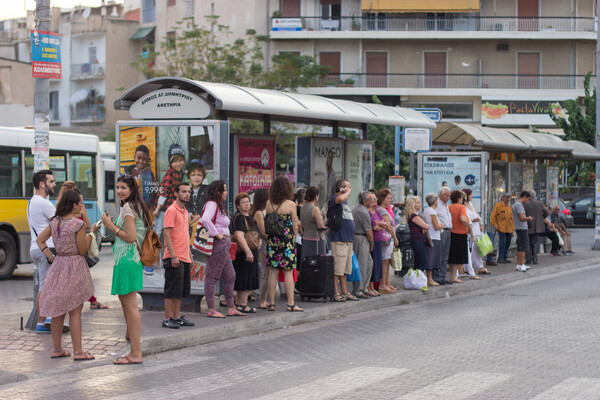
(417, 139)
(359, 168)
(256, 163)
(327, 165)
(398, 187)
(45, 55)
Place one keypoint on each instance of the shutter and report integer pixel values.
(435, 69)
(529, 64)
(376, 69)
(290, 8)
(528, 8)
(331, 60)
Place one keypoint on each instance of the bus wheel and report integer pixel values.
(8, 255)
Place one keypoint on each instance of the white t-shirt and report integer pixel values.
(40, 210)
(427, 213)
(475, 225)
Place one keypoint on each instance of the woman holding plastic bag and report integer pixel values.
(475, 260)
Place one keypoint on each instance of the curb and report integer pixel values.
(259, 325)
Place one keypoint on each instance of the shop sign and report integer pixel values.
(521, 112)
(256, 164)
(45, 55)
(171, 104)
(287, 24)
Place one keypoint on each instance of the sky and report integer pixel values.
(16, 8)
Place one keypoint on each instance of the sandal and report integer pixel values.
(62, 353)
(128, 360)
(252, 298)
(270, 307)
(85, 354)
(215, 314)
(484, 271)
(475, 277)
(294, 308)
(97, 306)
(246, 309)
(235, 313)
(222, 304)
(350, 297)
(338, 298)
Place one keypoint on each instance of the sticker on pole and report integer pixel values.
(45, 55)
(417, 139)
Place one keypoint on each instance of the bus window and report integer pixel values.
(57, 166)
(82, 170)
(109, 186)
(10, 174)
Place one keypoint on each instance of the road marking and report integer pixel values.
(334, 386)
(458, 386)
(573, 389)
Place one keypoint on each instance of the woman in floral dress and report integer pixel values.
(281, 250)
(69, 283)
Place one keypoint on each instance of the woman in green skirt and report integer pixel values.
(130, 229)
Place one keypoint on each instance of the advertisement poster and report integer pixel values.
(552, 189)
(256, 165)
(499, 178)
(397, 185)
(359, 168)
(515, 172)
(144, 154)
(45, 55)
(528, 177)
(521, 112)
(327, 166)
(454, 171)
(303, 146)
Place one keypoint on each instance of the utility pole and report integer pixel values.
(41, 123)
(596, 245)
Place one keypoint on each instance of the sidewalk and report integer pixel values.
(26, 355)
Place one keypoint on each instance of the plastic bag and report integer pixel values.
(415, 279)
(93, 249)
(355, 275)
(561, 241)
(484, 245)
(397, 259)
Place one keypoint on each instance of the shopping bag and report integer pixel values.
(561, 241)
(397, 259)
(415, 279)
(203, 242)
(484, 245)
(93, 249)
(355, 275)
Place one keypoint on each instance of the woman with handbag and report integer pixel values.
(245, 234)
(128, 273)
(461, 228)
(257, 212)
(384, 201)
(434, 254)
(70, 185)
(69, 283)
(378, 227)
(418, 233)
(218, 264)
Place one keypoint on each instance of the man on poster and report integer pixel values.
(331, 179)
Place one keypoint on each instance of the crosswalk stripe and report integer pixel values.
(334, 386)
(573, 389)
(458, 386)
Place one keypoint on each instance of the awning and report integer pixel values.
(142, 33)
(413, 6)
(244, 102)
(540, 141)
(583, 151)
(79, 96)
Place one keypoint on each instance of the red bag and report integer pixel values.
(232, 250)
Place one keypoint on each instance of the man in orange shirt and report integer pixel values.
(501, 218)
(178, 257)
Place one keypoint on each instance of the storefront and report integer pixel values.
(192, 118)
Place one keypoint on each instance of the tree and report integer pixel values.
(292, 70)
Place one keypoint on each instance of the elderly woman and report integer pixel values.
(434, 255)
(418, 236)
(475, 261)
(246, 258)
(384, 201)
(461, 227)
(378, 225)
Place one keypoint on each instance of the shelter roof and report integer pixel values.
(243, 102)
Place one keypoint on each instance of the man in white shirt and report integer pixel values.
(39, 212)
(444, 217)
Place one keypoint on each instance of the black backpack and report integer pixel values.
(334, 217)
(274, 223)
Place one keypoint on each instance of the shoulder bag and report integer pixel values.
(202, 241)
(251, 237)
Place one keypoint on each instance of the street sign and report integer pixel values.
(417, 139)
(45, 55)
(434, 114)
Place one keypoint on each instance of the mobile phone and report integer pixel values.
(99, 223)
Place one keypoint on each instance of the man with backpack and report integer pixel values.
(178, 257)
(341, 224)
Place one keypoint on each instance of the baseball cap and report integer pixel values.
(174, 150)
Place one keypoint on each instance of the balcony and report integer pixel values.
(88, 113)
(450, 23)
(87, 71)
(455, 81)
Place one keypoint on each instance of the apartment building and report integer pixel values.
(497, 62)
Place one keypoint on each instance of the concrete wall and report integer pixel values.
(16, 114)
(16, 83)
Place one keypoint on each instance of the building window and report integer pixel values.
(528, 69)
(331, 11)
(376, 68)
(148, 10)
(331, 60)
(171, 40)
(171, 3)
(290, 8)
(435, 69)
(53, 105)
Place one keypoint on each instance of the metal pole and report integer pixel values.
(596, 245)
(41, 123)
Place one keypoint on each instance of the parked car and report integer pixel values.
(565, 214)
(582, 210)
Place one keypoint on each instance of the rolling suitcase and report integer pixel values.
(316, 278)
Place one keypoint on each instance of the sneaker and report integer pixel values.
(40, 328)
(525, 266)
(168, 323)
(521, 268)
(182, 321)
(148, 270)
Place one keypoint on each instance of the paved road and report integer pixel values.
(534, 340)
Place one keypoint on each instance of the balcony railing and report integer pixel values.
(457, 23)
(87, 71)
(455, 81)
(88, 112)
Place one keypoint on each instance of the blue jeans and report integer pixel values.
(503, 245)
(490, 257)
